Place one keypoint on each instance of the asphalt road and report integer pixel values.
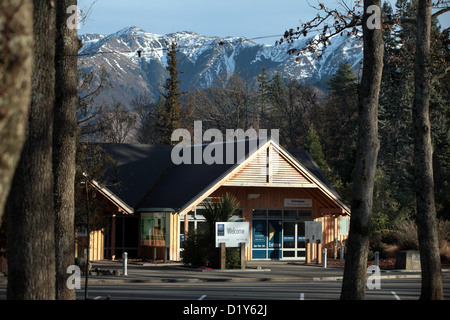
(391, 289)
(238, 299)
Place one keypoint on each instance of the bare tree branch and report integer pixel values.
(438, 13)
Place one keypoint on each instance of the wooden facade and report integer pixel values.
(96, 248)
(266, 180)
(251, 198)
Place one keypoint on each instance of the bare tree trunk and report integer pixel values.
(354, 282)
(423, 160)
(31, 243)
(16, 63)
(64, 146)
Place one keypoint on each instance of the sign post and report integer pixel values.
(223, 256)
(242, 255)
(232, 234)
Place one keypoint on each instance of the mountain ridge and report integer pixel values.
(202, 60)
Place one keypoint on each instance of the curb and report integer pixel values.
(263, 279)
(389, 274)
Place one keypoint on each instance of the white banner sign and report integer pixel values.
(299, 203)
(232, 233)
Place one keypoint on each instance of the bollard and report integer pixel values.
(342, 253)
(324, 257)
(125, 262)
(377, 258)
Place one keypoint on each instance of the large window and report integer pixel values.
(126, 236)
(197, 221)
(279, 234)
(154, 229)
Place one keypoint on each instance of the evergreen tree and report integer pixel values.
(395, 104)
(396, 100)
(170, 117)
(343, 84)
(338, 123)
(277, 90)
(313, 146)
(263, 99)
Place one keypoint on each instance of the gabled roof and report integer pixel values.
(149, 180)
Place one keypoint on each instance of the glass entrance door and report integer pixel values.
(293, 240)
(279, 234)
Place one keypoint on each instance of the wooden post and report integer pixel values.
(186, 226)
(242, 255)
(307, 251)
(223, 257)
(113, 237)
(318, 252)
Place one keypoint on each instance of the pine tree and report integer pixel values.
(170, 117)
(396, 96)
(339, 124)
(263, 98)
(343, 84)
(313, 146)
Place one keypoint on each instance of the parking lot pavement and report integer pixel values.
(255, 271)
(113, 272)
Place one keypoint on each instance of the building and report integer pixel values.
(154, 201)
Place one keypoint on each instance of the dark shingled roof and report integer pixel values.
(149, 180)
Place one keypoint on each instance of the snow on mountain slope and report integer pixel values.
(202, 60)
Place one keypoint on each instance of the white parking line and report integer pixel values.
(395, 295)
(202, 297)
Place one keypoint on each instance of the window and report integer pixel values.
(153, 229)
(290, 214)
(275, 214)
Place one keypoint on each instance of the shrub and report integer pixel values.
(199, 247)
(196, 249)
(233, 258)
(443, 227)
(404, 237)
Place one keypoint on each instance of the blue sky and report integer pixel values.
(248, 18)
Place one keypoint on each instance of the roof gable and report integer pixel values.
(149, 179)
(269, 167)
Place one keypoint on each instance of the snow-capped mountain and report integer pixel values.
(202, 60)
